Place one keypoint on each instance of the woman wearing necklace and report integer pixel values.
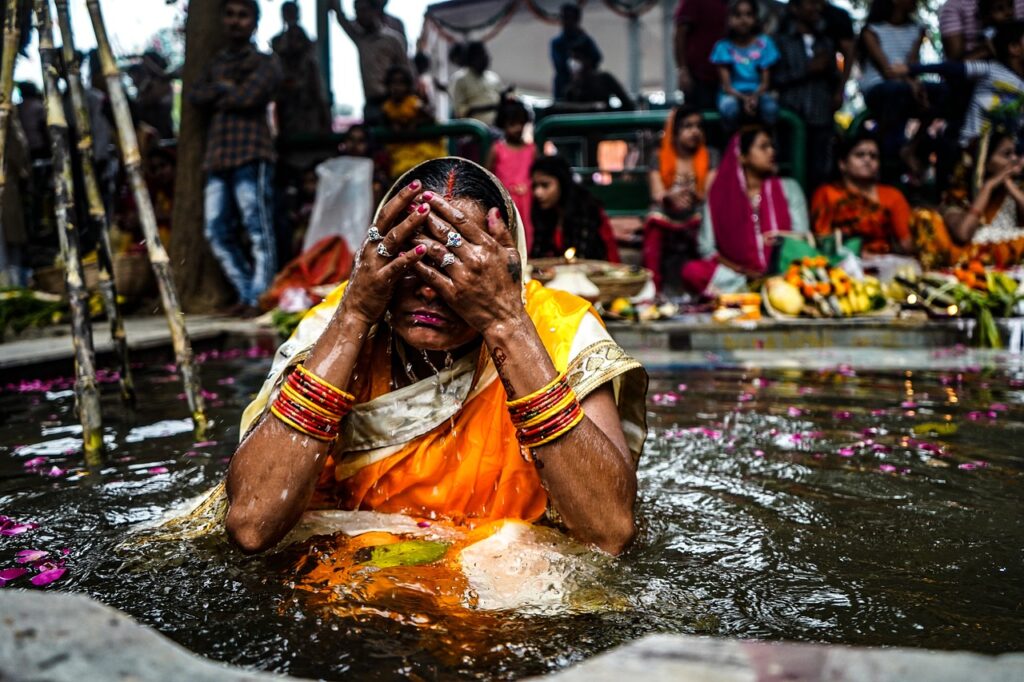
(435, 384)
(749, 207)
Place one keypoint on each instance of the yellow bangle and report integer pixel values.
(568, 400)
(298, 427)
(561, 432)
(540, 391)
(344, 394)
(308, 404)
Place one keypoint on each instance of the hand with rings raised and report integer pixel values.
(473, 265)
(386, 254)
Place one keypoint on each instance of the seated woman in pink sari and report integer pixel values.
(679, 186)
(749, 207)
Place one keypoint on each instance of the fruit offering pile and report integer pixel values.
(810, 287)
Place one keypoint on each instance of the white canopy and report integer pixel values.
(518, 34)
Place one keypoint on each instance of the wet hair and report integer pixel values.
(682, 113)
(251, 4)
(749, 133)
(579, 210)
(453, 177)
(1007, 35)
(758, 26)
(510, 111)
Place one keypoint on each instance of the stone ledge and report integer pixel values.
(680, 658)
(62, 637)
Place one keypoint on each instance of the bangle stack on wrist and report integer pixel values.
(546, 414)
(311, 405)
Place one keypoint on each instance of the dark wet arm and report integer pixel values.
(588, 472)
(273, 474)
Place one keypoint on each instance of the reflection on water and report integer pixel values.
(842, 506)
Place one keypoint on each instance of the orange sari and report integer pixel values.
(407, 452)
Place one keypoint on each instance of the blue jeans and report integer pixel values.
(731, 110)
(246, 191)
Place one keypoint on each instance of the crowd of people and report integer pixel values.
(930, 171)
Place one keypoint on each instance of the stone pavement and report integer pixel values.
(54, 343)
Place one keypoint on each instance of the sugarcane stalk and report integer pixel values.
(154, 247)
(10, 53)
(86, 387)
(97, 212)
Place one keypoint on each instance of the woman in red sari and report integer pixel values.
(749, 207)
(678, 188)
(857, 205)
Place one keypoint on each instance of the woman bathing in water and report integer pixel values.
(436, 384)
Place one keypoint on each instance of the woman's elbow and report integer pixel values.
(616, 537)
(248, 535)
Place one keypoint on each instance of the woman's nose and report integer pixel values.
(426, 293)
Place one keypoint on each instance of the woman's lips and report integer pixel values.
(428, 318)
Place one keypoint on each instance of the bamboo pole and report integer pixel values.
(10, 53)
(157, 254)
(97, 212)
(86, 387)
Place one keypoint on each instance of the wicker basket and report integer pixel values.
(132, 274)
(614, 281)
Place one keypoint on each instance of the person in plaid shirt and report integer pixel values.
(238, 84)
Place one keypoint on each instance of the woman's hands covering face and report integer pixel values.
(474, 264)
(383, 260)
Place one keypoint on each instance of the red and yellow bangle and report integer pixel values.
(311, 405)
(546, 414)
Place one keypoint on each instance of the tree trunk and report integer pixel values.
(200, 284)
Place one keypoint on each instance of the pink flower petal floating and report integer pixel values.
(974, 416)
(158, 470)
(745, 397)
(847, 452)
(998, 407)
(55, 471)
(47, 577)
(758, 453)
(17, 528)
(908, 404)
(9, 574)
(992, 414)
(970, 466)
(682, 388)
(794, 411)
(842, 414)
(886, 468)
(34, 462)
(27, 556)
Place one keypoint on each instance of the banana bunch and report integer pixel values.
(855, 296)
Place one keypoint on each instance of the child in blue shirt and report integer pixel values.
(744, 58)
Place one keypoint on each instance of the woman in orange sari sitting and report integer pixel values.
(857, 205)
(678, 189)
(984, 225)
(435, 384)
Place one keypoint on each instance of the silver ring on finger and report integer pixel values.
(448, 259)
(383, 250)
(454, 240)
(373, 234)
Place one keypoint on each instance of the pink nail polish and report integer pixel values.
(415, 184)
(427, 196)
(421, 249)
(423, 208)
